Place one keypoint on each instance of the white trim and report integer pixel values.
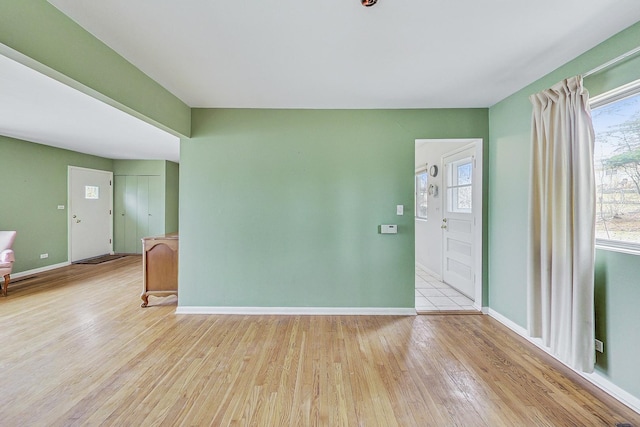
(509, 324)
(39, 270)
(617, 94)
(596, 378)
(289, 311)
(604, 384)
(615, 246)
(612, 62)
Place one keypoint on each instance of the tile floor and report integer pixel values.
(434, 295)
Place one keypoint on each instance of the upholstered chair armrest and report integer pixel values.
(7, 256)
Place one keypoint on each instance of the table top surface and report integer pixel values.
(167, 236)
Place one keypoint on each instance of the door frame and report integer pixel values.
(70, 207)
(478, 191)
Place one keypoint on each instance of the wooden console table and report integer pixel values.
(160, 266)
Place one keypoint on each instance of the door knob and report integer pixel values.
(78, 221)
(74, 216)
(443, 226)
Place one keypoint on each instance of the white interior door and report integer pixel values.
(90, 204)
(459, 220)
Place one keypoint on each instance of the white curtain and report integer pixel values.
(562, 224)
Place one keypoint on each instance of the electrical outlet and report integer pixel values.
(599, 346)
(43, 256)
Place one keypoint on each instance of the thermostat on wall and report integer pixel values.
(388, 229)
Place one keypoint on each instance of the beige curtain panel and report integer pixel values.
(562, 224)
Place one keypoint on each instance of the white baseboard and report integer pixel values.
(290, 311)
(603, 383)
(509, 323)
(596, 378)
(39, 270)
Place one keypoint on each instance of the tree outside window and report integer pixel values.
(617, 169)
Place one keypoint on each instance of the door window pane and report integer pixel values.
(462, 199)
(91, 192)
(460, 186)
(464, 173)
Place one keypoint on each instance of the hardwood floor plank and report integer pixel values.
(78, 350)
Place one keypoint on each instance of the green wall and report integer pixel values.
(281, 207)
(34, 183)
(172, 199)
(38, 30)
(618, 317)
(509, 156)
(139, 167)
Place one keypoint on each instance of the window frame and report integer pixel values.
(606, 98)
(450, 188)
(419, 172)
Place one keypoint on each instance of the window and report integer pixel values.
(616, 122)
(91, 192)
(460, 186)
(421, 194)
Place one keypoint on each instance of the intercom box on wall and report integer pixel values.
(388, 229)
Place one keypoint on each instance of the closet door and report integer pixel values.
(156, 206)
(132, 243)
(142, 212)
(138, 207)
(119, 212)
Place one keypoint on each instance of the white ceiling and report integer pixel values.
(37, 108)
(303, 54)
(339, 54)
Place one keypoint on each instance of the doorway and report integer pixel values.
(90, 206)
(448, 225)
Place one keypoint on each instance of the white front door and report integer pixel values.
(458, 222)
(90, 204)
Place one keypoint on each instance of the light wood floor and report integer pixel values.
(77, 349)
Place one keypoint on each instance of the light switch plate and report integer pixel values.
(400, 210)
(599, 346)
